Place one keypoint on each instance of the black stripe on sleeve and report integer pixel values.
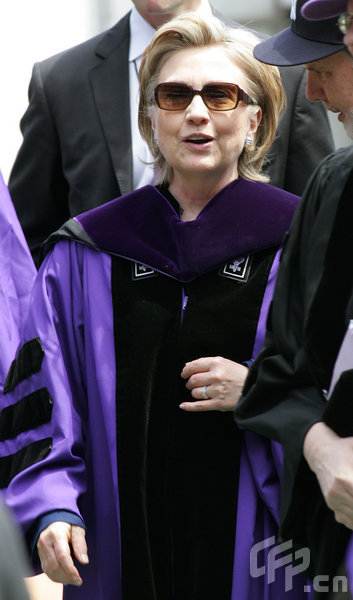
(29, 455)
(27, 362)
(28, 413)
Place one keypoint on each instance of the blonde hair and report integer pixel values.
(264, 84)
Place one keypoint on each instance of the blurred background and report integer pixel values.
(31, 30)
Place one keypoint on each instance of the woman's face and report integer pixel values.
(198, 142)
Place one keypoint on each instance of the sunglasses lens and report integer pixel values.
(216, 96)
(173, 97)
(220, 97)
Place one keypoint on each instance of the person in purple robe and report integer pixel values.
(131, 479)
(17, 274)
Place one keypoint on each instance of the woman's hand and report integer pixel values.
(330, 457)
(215, 382)
(55, 553)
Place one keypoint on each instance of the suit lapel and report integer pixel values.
(110, 87)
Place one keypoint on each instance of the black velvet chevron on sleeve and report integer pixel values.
(27, 362)
(28, 413)
(13, 464)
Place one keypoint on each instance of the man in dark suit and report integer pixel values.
(81, 147)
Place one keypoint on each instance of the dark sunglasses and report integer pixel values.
(216, 96)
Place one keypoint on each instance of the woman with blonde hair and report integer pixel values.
(145, 313)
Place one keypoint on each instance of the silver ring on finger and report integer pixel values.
(204, 394)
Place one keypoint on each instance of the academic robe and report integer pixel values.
(173, 502)
(286, 390)
(17, 274)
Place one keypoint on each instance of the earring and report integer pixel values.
(156, 140)
(248, 140)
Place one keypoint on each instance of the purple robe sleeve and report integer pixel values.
(17, 273)
(75, 468)
(56, 477)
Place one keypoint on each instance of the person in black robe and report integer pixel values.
(295, 392)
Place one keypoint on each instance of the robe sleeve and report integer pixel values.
(42, 457)
(17, 274)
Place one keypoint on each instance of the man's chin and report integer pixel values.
(331, 108)
(348, 123)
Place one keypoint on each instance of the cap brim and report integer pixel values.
(319, 11)
(287, 49)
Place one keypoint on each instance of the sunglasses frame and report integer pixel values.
(241, 95)
(344, 21)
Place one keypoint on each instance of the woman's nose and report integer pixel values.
(197, 109)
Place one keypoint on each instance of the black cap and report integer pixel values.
(303, 42)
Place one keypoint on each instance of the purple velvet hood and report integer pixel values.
(131, 227)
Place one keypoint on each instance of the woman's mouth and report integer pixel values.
(198, 139)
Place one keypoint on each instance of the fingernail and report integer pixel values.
(84, 558)
(77, 581)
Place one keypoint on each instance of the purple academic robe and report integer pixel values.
(17, 274)
(69, 460)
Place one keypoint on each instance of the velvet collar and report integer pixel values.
(142, 226)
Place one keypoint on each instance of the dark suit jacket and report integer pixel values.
(76, 150)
